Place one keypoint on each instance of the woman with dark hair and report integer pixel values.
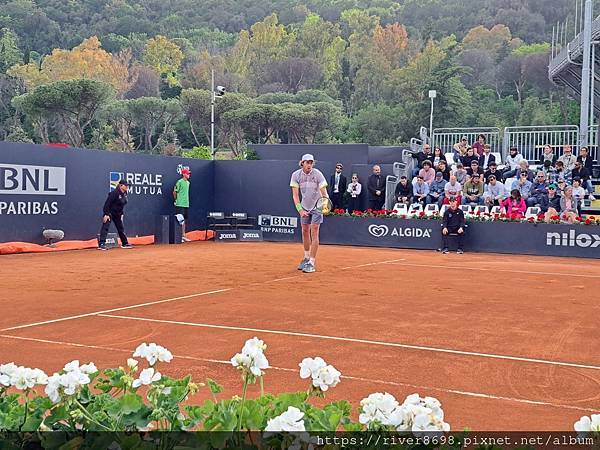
(354, 189)
(515, 205)
(479, 145)
(438, 156)
(548, 155)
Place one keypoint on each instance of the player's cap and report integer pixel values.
(185, 172)
(307, 157)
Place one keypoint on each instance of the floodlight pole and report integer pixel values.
(212, 114)
(432, 95)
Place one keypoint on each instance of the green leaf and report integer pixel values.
(214, 387)
(130, 403)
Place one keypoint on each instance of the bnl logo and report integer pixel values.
(115, 177)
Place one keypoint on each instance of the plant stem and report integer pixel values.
(26, 410)
(89, 417)
(262, 387)
(242, 404)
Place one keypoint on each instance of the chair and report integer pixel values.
(498, 157)
(449, 158)
(415, 209)
(217, 219)
(481, 209)
(401, 209)
(508, 184)
(466, 209)
(431, 209)
(443, 209)
(496, 210)
(241, 220)
(533, 211)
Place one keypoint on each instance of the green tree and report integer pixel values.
(10, 54)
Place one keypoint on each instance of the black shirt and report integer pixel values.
(115, 203)
(453, 219)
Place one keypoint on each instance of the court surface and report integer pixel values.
(504, 342)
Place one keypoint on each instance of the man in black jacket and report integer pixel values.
(337, 184)
(453, 222)
(376, 188)
(113, 211)
(584, 174)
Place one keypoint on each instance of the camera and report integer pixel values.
(220, 91)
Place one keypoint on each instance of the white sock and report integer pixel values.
(307, 255)
(312, 261)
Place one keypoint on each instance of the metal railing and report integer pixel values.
(530, 140)
(445, 138)
(593, 143)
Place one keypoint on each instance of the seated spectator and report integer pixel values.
(523, 185)
(453, 189)
(512, 163)
(460, 148)
(473, 191)
(354, 189)
(438, 156)
(460, 173)
(427, 172)
(568, 158)
(474, 169)
(443, 167)
(539, 190)
(470, 156)
(493, 194)
(584, 177)
(479, 146)
(492, 170)
(420, 191)
(421, 157)
(514, 205)
(548, 155)
(486, 158)
(585, 160)
(551, 206)
(549, 172)
(561, 185)
(578, 193)
(569, 206)
(524, 166)
(453, 222)
(404, 191)
(436, 190)
(561, 172)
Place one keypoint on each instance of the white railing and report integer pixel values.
(530, 140)
(445, 138)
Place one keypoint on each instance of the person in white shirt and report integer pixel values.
(494, 192)
(452, 189)
(354, 189)
(578, 190)
(568, 158)
(512, 163)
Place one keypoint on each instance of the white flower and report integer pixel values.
(323, 376)
(89, 368)
(4, 379)
(73, 381)
(73, 365)
(291, 420)
(416, 405)
(377, 407)
(252, 357)
(25, 378)
(310, 366)
(153, 353)
(589, 424)
(8, 369)
(53, 388)
(147, 376)
(132, 363)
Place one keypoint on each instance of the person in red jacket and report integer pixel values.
(515, 205)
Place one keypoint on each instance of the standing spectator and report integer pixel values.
(443, 167)
(569, 205)
(453, 222)
(523, 185)
(515, 205)
(539, 190)
(181, 193)
(354, 189)
(337, 182)
(470, 156)
(113, 212)
(438, 156)
(584, 177)
(492, 170)
(473, 191)
(561, 172)
(479, 146)
(460, 148)
(421, 157)
(436, 190)
(376, 188)
(512, 163)
(548, 155)
(486, 157)
(420, 191)
(453, 189)
(427, 172)
(404, 191)
(568, 158)
(494, 192)
(460, 173)
(551, 205)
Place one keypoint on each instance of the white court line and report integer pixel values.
(139, 305)
(491, 269)
(157, 302)
(362, 341)
(374, 264)
(347, 377)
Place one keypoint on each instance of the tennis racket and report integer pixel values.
(323, 205)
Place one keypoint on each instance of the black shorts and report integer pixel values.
(182, 210)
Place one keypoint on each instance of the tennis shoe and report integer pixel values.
(304, 262)
(127, 246)
(459, 251)
(184, 239)
(445, 251)
(102, 247)
(308, 268)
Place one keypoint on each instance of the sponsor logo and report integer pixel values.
(227, 235)
(32, 180)
(180, 167)
(139, 183)
(380, 231)
(277, 224)
(251, 235)
(29, 208)
(573, 239)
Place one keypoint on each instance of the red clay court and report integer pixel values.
(504, 342)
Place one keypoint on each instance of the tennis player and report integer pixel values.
(311, 183)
